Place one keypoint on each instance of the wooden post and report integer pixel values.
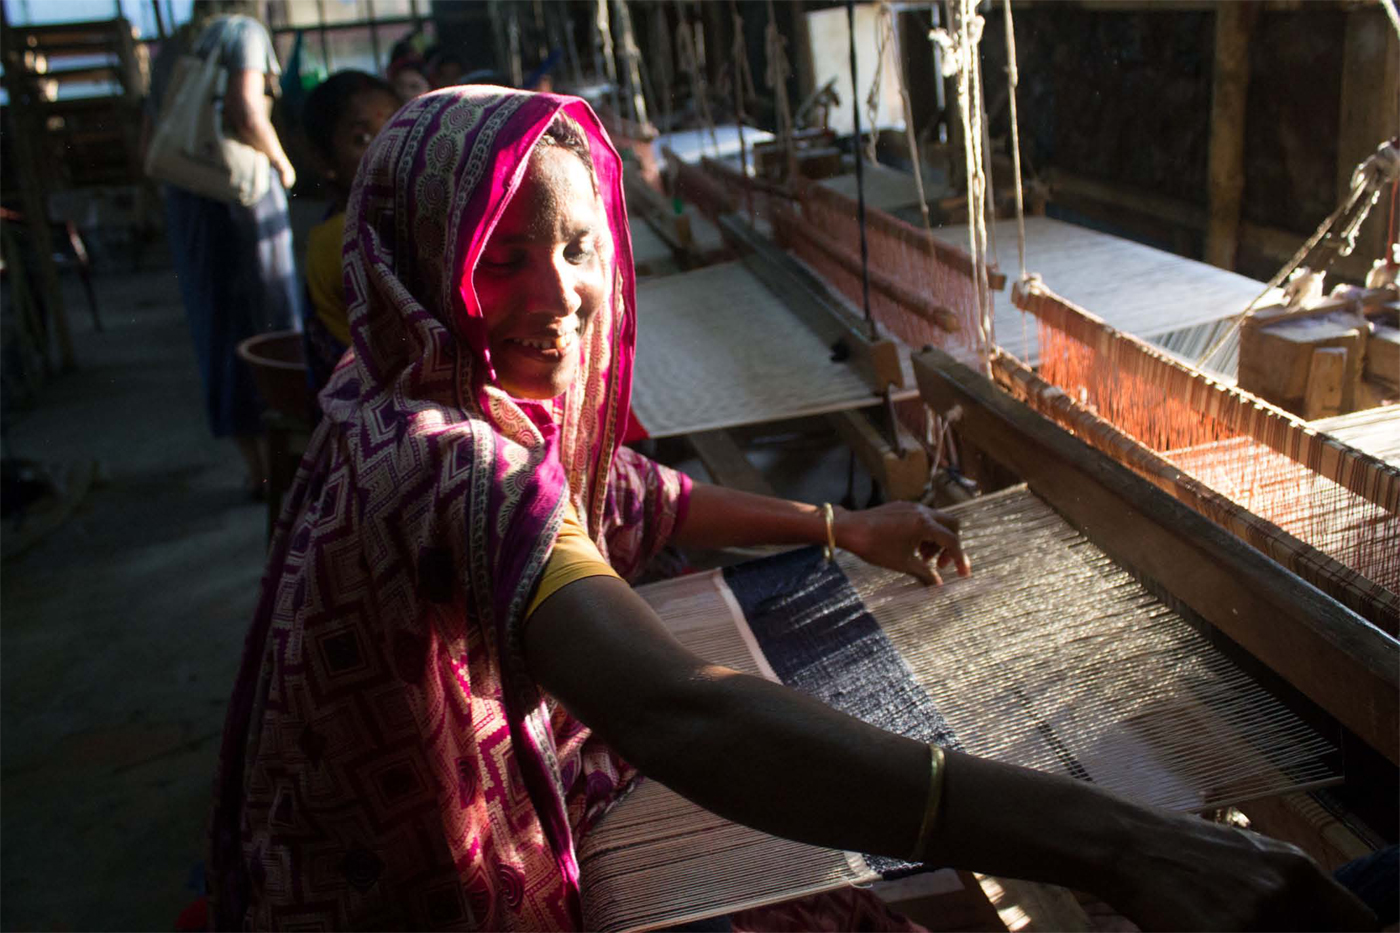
(1233, 23)
(24, 140)
(1369, 110)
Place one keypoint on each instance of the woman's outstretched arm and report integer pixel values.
(769, 757)
(902, 536)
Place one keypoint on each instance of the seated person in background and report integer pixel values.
(446, 68)
(341, 117)
(408, 73)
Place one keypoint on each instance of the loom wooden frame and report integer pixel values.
(1340, 661)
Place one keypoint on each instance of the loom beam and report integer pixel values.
(1340, 661)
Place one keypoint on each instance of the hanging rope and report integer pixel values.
(872, 100)
(691, 65)
(775, 79)
(1013, 80)
(888, 22)
(604, 47)
(860, 173)
(959, 43)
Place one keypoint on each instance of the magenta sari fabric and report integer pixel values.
(388, 762)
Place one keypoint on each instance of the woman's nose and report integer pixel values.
(557, 289)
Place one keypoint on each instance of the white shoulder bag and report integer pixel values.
(190, 148)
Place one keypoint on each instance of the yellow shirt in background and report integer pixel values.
(325, 281)
(574, 557)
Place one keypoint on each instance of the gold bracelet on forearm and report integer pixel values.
(935, 797)
(830, 515)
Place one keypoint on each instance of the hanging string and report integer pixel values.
(1013, 80)
(860, 173)
(604, 46)
(887, 15)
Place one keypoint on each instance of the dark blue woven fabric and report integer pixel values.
(820, 639)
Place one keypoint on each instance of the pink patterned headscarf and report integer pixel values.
(388, 761)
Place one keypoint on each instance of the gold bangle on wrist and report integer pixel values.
(830, 515)
(935, 797)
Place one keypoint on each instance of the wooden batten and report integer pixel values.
(1341, 662)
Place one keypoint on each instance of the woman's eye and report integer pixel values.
(579, 253)
(363, 139)
(499, 263)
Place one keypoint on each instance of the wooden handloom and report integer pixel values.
(1326, 510)
(1055, 654)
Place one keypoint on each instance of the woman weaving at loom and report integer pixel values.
(451, 561)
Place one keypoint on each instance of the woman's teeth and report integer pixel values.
(562, 342)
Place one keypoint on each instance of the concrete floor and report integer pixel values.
(121, 632)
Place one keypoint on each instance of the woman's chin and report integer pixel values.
(539, 386)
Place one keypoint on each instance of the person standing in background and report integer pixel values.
(235, 264)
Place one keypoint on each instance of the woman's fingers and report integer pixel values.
(947, 541)
(918, 567)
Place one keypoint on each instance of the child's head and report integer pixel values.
(341, 117)
(408, 74)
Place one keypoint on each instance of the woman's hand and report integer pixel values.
(904, 536)
(1197, 875)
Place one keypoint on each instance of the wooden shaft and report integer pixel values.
(1233, 23)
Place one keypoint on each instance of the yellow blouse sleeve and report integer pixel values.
(574, 557)
(324, 279)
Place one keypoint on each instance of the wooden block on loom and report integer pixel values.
(1383, 356)
(1326, 376)
(1276, 358)
(903, 475)
(819, 162)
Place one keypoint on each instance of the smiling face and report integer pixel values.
(543, 274)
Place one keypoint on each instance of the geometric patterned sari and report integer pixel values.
(387, 760)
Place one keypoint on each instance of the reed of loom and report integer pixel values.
(1337, 506)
